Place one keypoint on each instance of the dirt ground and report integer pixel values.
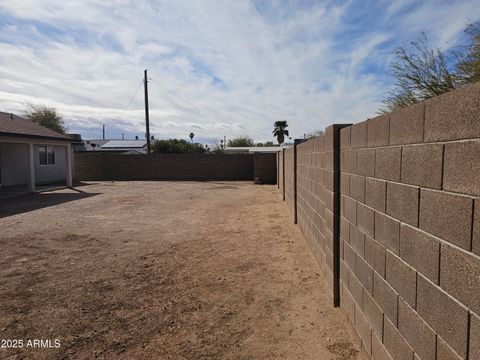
(163, 270)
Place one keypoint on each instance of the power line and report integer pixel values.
(185, 100)
(131, 100)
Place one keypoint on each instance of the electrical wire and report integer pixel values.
(207, 112)
(130, 102)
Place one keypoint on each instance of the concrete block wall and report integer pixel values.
(281, 173)
(315, 199)
(265, 167)
(409, 223)
(97, 166)
(289, 175)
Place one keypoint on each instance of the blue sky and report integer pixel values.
(217, 67)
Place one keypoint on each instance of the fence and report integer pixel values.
(107, 166)
(390, 208)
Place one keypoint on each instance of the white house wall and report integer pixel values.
(14, 164)
(51, 173)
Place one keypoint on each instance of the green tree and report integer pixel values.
(269, 144)
(241, 141)
(468, 65)
(47, 117)
(218, 147)
(280, 131)
(422, 72)
(175, 146)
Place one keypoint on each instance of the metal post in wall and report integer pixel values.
(336, 212)
(295, 184)
(278, 169)
(283, 173)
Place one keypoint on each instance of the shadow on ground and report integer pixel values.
(31, 202)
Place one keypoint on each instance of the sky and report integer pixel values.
(215, 68)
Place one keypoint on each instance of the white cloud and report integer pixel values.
(241, 67)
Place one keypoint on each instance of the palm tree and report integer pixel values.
(280, 131)
(191, 137)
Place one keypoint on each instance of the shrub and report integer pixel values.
(175, 146)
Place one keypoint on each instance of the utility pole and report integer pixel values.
(147, 117)
(103, 132)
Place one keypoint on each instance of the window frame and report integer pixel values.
(48, 150)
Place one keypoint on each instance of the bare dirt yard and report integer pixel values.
(163, 270)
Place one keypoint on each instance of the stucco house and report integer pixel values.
(33, 155)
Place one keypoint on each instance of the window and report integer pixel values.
(46, 155)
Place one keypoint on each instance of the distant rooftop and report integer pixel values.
(124, 144)
(252, 149)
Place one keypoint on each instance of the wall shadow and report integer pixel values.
(77, 184)
(31, 202)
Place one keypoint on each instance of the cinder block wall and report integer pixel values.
(89, 166)
(281, 172)
(289, 185)
(265, 167)
(409, 226)
(315, 198)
